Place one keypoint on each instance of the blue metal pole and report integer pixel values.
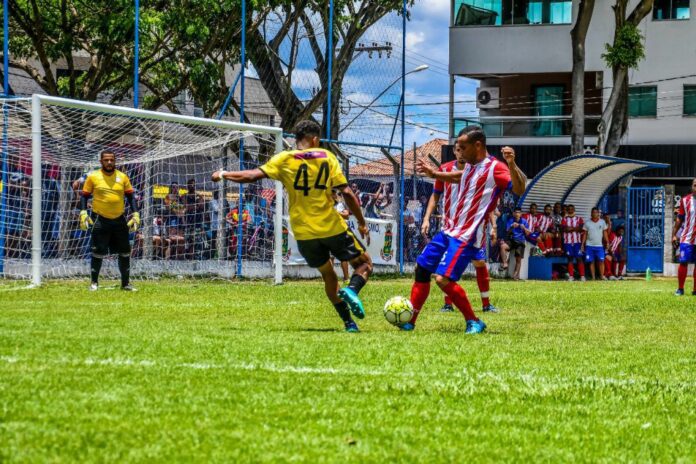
(240, 230)
(223, 110)
(403, 137)
(136, 64)
(329, 77)
(5, 187)
(5, 50)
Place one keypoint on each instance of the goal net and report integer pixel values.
(190, 225)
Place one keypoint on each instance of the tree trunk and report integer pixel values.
(578, 35)
(608, 113)
(619, 121)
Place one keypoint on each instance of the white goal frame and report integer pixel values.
(38, 101)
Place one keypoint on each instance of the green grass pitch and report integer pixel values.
(248, 372)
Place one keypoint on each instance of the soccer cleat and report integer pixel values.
(679, 292)
(129, 288)
(475, 327)
(490, 309)
(571, 279)
(620, 277)
(93, 287)
(353, 301)
(352, 327)
(583, 279)
(613, 278)
(406, 327)
(447, 309)
(604, 278)
(693, 293)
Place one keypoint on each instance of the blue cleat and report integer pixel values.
(490, 309)
(353, 301)
(352, 327)
(693, 293)
(475, 327)
(447, 309)
(406, 327)
(679, 292)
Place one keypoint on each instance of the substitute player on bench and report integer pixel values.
(108, 186)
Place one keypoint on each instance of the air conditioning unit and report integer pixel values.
(488, 97)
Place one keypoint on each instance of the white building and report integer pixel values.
(520, 52)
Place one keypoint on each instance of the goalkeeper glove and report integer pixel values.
(85, 220)
(134, 223)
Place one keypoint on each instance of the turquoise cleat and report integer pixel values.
(406, 327)
(475, 327)
(352, 327)
(353, 301)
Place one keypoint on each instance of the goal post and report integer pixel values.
(185, 230)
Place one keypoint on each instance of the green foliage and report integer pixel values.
(627, 50)
(204, 371)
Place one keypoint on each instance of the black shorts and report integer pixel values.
(110, 235)
(344, 247)
(516, 248)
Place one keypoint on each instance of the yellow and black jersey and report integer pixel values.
(308, 176)
(108, 192)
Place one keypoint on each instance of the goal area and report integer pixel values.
(190, 225)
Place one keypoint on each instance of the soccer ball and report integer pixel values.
(398, 310)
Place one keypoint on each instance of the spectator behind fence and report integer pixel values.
(517, 232)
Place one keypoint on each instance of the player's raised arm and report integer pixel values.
(241, 177)
(519, 179)
(426, 170)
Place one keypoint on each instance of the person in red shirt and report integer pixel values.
(615, 260)
(572, 243)
(686, 224)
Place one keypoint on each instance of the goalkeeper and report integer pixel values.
(109, 187)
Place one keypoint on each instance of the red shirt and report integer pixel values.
(687, 213)
(570, 238)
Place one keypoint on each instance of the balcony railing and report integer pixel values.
(526, 126)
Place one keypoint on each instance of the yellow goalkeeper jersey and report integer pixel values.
(108, 192)
(308, 176)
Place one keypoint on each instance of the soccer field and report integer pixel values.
(248, 372)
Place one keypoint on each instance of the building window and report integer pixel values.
(499, 12)
(642, 102)
(671, 9)
(690, 100)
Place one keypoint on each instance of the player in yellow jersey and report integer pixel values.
(109, 187)
(309, 174)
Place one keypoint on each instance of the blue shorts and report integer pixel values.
(594, 253)
(572, 250)
(686, 253)
(448, 257)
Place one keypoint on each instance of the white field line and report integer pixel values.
(487, 379)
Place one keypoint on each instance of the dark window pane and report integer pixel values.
(642, 102)
(690, 100)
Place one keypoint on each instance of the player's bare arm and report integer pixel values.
(434, 199)
(675, 229)
(519, 179)
(240, 177)
(353, 205)
(428, 171)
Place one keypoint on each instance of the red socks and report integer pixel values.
(581, 268)
(483, 280)
(694, 278)
(448, 300)
(571, 269)
(419, 293)
(683, 271)
(549, 243)
(458, 295)
(608, 268)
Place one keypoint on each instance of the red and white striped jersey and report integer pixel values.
(614, 242)
(479, 190)
(687, 213)
(531, 220)
(449, 191)
(570, 238)
(544, 223)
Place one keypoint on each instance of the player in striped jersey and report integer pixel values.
(615, 260)
(449, 191)
(572, 243)
(686, 220)
(480, 184)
